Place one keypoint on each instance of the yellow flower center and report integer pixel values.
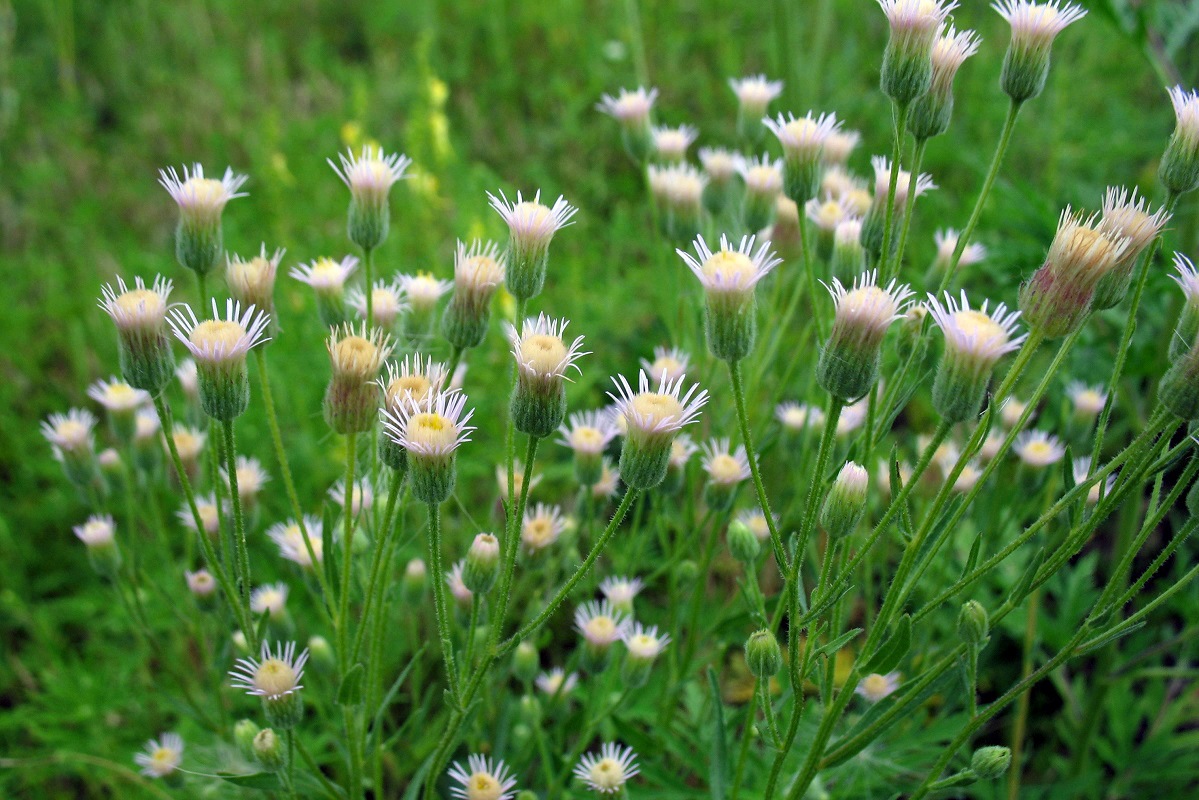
(542, 353)
(208, 517)
(205, 191)
(587, 438)
(829, 214)
(875, 684)
(163, 756)
(142, 302)
(71, 431)
(220, 337)
(1038, 450)
(986, 331)
(249, 273)
(530, 214)
(415, 386)
(482, 786)
(601, 628)
(655, 408)
(186, 443)
(868, 298)
(666, 365)
(538, 532)
(327, 272)
(729, 267)
(801, 130)
(274, 677)
(432, 430)
(724, 469)
(356, 356)
(607, 774)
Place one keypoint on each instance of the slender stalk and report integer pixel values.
(214, 563)
(776, 540)
(455, 359)
(439, 600)
(909, 209)
(1005, 138)
(739, 772)
(552, 606)
(900, 115)
(343, 613)
(512, 542)
(289, 483)
(470, 635)
(354, 781)
(374, 586)
(1020, 725)
(239, 522)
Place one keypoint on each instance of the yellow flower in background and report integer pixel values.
(507, 304)
(280, 169)
(439, 92)
(351, 134)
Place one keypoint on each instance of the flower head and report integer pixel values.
(621, 591)
(803, 141)
(671, 144)
(670, 363)
(838, 147)
(1034, 27)
(875, 687)
(70, 433)
(160, 757)
(200, 583)
(755, 93)
(139, 313)
(608, 771)
(630, 107)
(478, 271)
(1088, 400)
(653, 418)
(271, 676)
(730, 270)
(725, 466)
(218, 342)
(482, 779)
(1179, 168)
(541, 527)
(289, 537)
(797, 416)
(422, 290)
(531, 227)
(201, 200)
(387, 303)
(977, 334)
(251, 281)
(946, 240)
(644, 643)
(882, 182)
(98, 531)
(600, 623)
(848, 365)
(370, 174)
(270, 599)
(361, 497)
(431, 431)
(1039, 449)
(118, 397)
(719, 164)
(589, 432)
(1081, 471)
(325, 275)
(556, 682)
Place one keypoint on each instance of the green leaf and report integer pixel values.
(1022, 587)
(972, 559)
(892, 651)
(717, 774)
(1107, 638)
(838, 643)
(265, 781)
(350, 692)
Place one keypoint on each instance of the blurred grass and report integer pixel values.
(96, 96)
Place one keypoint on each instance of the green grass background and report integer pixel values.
(96, 96)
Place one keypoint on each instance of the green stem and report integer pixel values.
(452, 365)
(343, 613)
(443, 615)
(239, 522)
(900, 115)
(511, 543)
(354, 782)
(909, 210)
(629, 496)
(470, 635)
(214, 563)
(743, 752)
(1005, 138)
(776, 540)
(374, 586)
(1021, 723)
(289, 484)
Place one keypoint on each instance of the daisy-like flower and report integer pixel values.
(352, 397)
(907, 62)
(478, 272)
(387, 303)
(670, 144)
(275, 678)
(289, 538)
(251, 281)
(201, 201)
(1179, 168)
(482, 779)
(600, 625)
(946, 240)
(875, 687)
(621, 591)
(681, 450)
(423, 291)
(726, 469)
(849, 363)
(1059, 295)
(642, 645)
(719, 163)
(518, 483)
(1129, 217)
(848, 252)
(679, 190)
(670, 363)
(219, 347)
(139, 314)
(531, 227)
(431, 430)
(412, 378)
(608, 483)
(1034, 27)
(327, 277)
(457, 585)
(200, 583)
(755, 520)
(160, 757)
(370, 176)
(630, 107)
(556, 683)
(542, 359)
(653, 418)
(881, 165)
(541, 527)
(362, 496)
(797, 416)
(99, 531)
(931, 112)
(251, 477)
(70, 433)
(588, 434)
(1187, 329)
(836, 181)
(763, 178)
(1038, 449)
(118, 397)
(827, 214)
(1081, 471)
(608, 771)
(803, 141)
(728, 277)
(1088, 400)
(975, 339)
(754, 94)
(838, 147)
(270, 599)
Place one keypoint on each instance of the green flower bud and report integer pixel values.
(525, 662)
(907, 62)
(973, 626)
(763, 655)
(482, 564)
(990, 763)
(243, 736)
(803, 142)
(269, 750)
(1034, 27)
(846, 501)
(743, 544)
